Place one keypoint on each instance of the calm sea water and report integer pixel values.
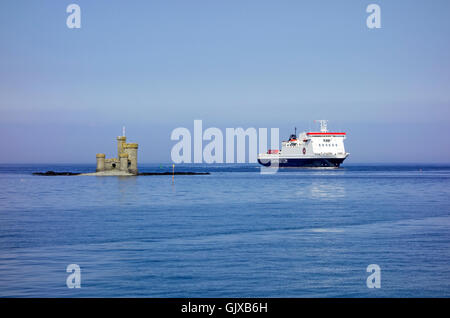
(234, 233)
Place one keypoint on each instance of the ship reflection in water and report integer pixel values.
(324, 191)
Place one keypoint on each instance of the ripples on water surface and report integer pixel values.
(232, 233)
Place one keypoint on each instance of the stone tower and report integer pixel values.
(126, 160)
(131, 150)
(100, 162)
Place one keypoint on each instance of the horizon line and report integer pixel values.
(223, 163)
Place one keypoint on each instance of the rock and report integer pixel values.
(119, 173)
(170, 173)
(53, 173)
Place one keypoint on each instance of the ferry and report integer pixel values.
(322, 149)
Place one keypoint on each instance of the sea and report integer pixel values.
(236, 232)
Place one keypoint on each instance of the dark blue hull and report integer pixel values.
(311, 163)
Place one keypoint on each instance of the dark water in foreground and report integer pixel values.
(298, 233)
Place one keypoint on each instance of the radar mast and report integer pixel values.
(323, 124)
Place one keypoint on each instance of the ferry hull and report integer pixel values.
(303, 162)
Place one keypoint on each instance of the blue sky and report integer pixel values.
(157, 65)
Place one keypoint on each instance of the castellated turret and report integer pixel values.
(100, 162)
(131, 150)
(123, 158)
(126, 160)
